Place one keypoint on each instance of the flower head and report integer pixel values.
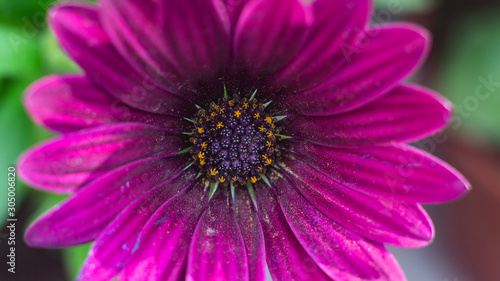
(208, 137)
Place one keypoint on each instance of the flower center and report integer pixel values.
(234, 141)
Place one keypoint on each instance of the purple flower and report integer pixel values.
(209, 137)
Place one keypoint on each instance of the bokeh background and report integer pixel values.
(464, 65)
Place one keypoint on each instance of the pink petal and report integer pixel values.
(63, 164)
(395, 172)
(387, 222)
(251, 231)
(406, 114)
(342, 254)
(234, 8)
(83, 216)
(80, 33)
(116, 242)
(134, 29)
(336, 24)
(70, 103)
(270, 33)
(379, 62)
(286, 258)
(217, 251)
(162, 249)
(196, 36)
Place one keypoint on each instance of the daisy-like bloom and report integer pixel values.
(207, 138)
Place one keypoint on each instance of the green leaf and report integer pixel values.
(28, 14)
(15, 132)
(74, 258)
(54, 60)
(471, 74)
(19, 54)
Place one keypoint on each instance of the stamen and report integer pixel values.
(234, 140)
(253, 179)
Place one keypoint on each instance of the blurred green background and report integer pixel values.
(465, 57)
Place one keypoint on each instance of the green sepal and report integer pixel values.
(283, 137)
(265, 179)
(186, 150)
(252, 193)
(267, 103)
(213, 189)
(253, 95)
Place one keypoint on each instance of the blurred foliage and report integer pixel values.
(26, 13)
(407, 6)
(54, 60)
(74, 257)
(19, 56)
(471, 74)
(28, 51)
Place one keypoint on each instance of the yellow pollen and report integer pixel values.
(219, 125)
(202, 162)
(212, 114)
(262, 129)
(268, 120)
(213, 172)
(259, 168)
(237, 113)
(222, 179)
(268, 143)
(231, 103)
(268, 161)
(256, 116)
(253, 179)
(264, 157)
(204, 145)
(222, 110)
(201, 155)
(245, 105)
(269, 134)
(200, 131)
